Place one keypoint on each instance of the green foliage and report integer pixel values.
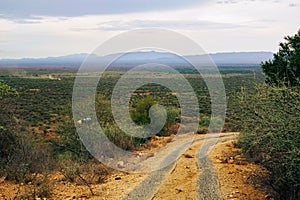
(173, 116)
(205, 122)
(20, 153)
(280, 112)
(25, 157)
(4, 89)
(119, 138)
(7, 142)
(7, 137)
(270, 134)
(286, 63)
(42, 110)
(203, 125)
(140, 115)
(69, 146)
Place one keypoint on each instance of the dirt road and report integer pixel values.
(192, 176)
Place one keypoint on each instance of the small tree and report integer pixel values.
(4, 89)
(285, 67)
(140, 115)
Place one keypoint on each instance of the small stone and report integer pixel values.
(120, 164)
(230, 161)
(179, 190)
(188, 156)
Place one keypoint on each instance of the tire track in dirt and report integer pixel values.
(189, 177)
(208, 187)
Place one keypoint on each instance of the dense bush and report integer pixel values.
(7, 142)
(26, 158)
(140, 115)
(270, 134)
(21, 155)
(69, 146)
(4, 89)
(121, 139)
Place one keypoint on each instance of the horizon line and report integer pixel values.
(86, 54)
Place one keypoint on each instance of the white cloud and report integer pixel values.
(242, 26)
(16, 9)
(121, 25)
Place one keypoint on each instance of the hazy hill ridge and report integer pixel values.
(229, 58)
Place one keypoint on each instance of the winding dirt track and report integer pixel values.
(192, 176)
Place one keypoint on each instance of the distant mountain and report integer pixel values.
(241, 57)
(69, 60)
(232, 58)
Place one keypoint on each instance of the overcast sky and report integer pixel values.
(40, 28)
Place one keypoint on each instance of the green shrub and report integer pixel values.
(69, 146)
(7, 141)
(121, 139)
(270, 134)
(4, 90)
(140, 115)
(25, 157)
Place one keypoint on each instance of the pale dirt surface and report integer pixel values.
(238, 178)
(116, 185)
(180, 182)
